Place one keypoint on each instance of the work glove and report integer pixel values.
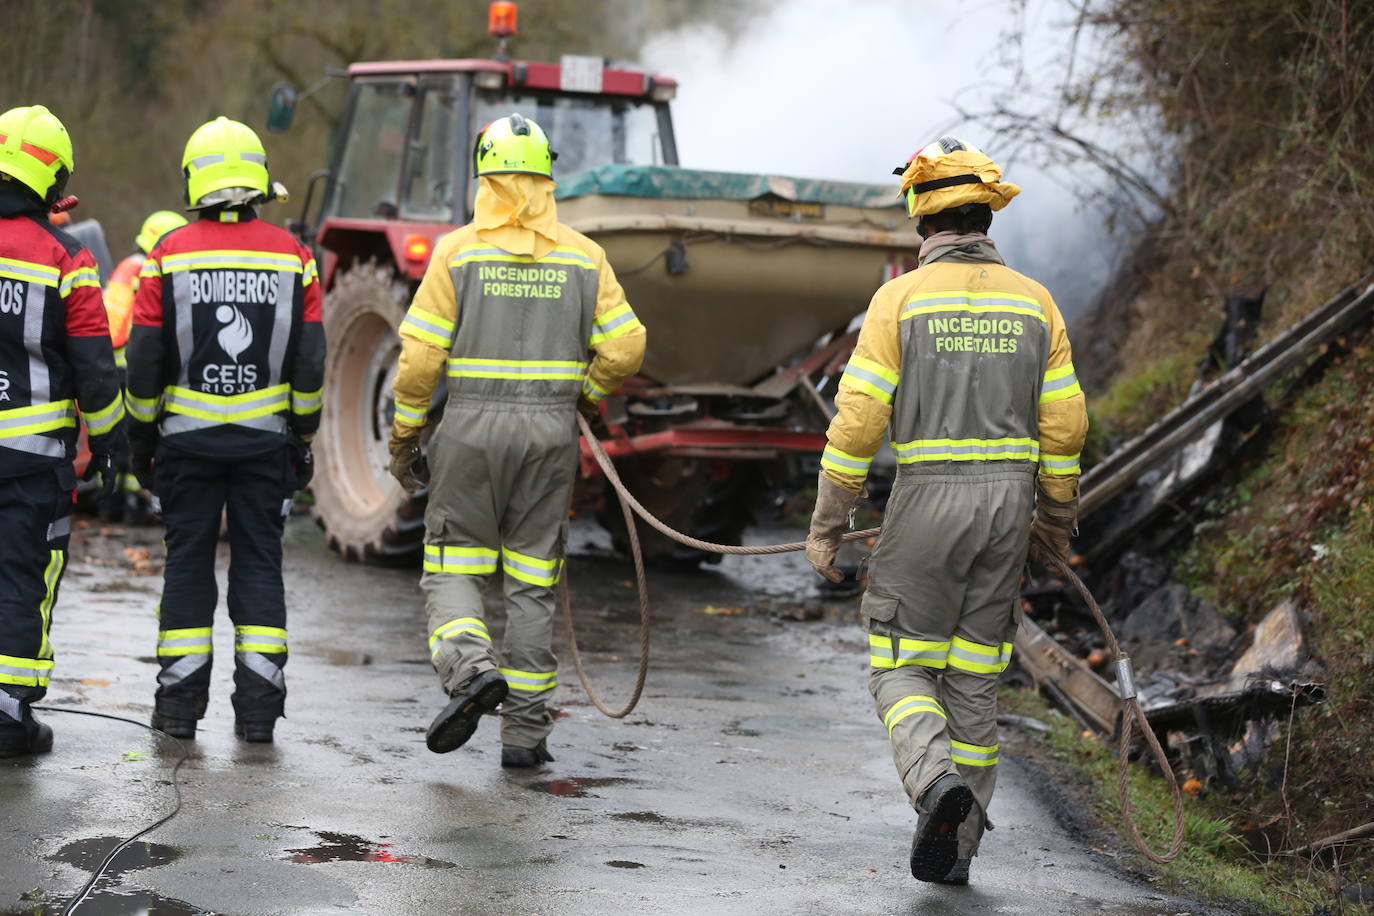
(591, 412)
(142, 447)
(103, 463)
(408, 463)
(832, 517)
(302, 462)
(1051, 527)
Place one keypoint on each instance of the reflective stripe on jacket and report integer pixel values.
(55, 353)
(227, 350)
(966, 361)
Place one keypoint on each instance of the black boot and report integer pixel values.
(935, 847)
(24, 736)
(175, 726)
(958, 874)
(452, 728)
(512, 756)
(255, 731)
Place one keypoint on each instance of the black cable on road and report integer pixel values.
(126, 843)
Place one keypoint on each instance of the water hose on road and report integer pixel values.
(100, 869)
(1131, 711)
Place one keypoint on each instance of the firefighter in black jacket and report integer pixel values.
(55, 353)
(226, 371)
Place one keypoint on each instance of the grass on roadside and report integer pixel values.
(1214, 865)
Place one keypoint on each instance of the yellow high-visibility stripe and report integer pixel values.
(520, 369)
(1059, 384)
(977, 658)
(530, 569)
(973, 755)
(469, 561)
(100, 422)
(276, 400)
(613, 323)
(872, 378)
(926, 653)
(25, 672)
(411, 415)
(37, 418)
(1007, 449)
(910, 706)
(144, 410)
(304, 403)
(845, 463)
(185, 641)
(268, 640)
(1060, 465)
(230, 258)
(82, 276)
(30, 272)
(973, 303)
(57, 559)
(456, 627)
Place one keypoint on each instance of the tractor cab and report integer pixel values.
(401, 173)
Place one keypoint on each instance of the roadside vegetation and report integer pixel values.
(1257, 177)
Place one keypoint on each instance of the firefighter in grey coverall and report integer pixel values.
(529, 322)
(968, 363)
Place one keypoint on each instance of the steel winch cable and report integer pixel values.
(1131, 711)
(100, 869)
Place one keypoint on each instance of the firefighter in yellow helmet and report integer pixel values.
(55, 359)
(967, 362)
(527, 321)
(226, 376)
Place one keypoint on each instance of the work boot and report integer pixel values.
(512, 756)
(175, 726)
(25, 736)
(958, 874)
(935, 847)
(255, 731)
(452, 728)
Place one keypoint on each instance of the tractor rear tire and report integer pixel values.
(364, 513)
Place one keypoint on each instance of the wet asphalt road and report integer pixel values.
(753, 778)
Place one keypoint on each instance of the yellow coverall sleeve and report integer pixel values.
(426, 338)
(864, 400)
(617, 339)
(1063, 413)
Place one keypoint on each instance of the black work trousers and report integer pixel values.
(194, 491)
(35, 525)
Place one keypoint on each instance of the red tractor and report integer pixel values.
(749, 285)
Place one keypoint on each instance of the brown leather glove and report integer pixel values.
(1053, 524)
(408, 463)
(831, 518)
(590, 412)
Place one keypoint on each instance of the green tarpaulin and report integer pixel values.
(671, 182)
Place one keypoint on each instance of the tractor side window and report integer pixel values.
(429, 170)
(369, 175)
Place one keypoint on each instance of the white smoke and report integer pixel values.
(820, 89)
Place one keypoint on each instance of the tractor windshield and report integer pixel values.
(585, 131)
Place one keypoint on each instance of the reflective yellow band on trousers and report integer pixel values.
(186, 641)
(845, 463)
(871, 378)
(259, 639)
(977, 658)
(613, 323)
(25, 672)
(1017, 449)
(529, 681)
(37, 418)
(429, 327)
(522, 369)
(910, 706)
(972, 755)
(923, 652)
(467, 561)
(473, 626)
(1059, 384)
(57, 559)
(530, 569)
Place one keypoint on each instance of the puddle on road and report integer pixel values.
(345, 847)
(578, 786)
(107, 898)
(641, 817)
(622, 863)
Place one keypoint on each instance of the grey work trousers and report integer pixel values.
(940, 614)
(501, 486)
